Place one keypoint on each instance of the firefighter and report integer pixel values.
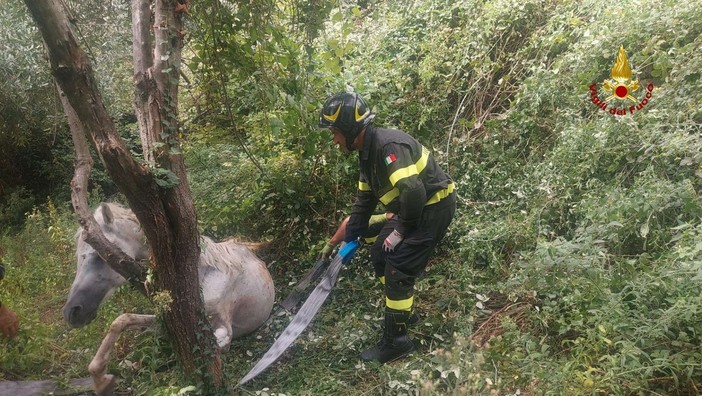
(397, 171)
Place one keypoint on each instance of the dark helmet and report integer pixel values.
(348, 112)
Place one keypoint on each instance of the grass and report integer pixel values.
(573, 265)
(324, 360)
(481, 331)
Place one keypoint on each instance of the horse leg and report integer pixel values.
(105, 384)
(223, 334)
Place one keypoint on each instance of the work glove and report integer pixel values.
(377, 219)
(326, 252)
(392, 241)
(8, 322)
(348, 250)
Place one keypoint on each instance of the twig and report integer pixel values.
(453, 124)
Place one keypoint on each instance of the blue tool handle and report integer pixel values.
(348, 251)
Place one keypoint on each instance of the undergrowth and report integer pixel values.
(574, 263)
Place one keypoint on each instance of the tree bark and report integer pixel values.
(143, 61)
(164, 207)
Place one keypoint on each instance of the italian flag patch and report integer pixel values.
(390, 159)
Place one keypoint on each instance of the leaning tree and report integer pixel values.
(155, 186)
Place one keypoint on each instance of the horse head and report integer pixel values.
(95, 280)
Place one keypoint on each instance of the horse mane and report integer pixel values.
(227, 256)
(255, 246)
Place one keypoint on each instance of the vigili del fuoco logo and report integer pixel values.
(621, 88)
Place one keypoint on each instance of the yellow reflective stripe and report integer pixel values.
(358, 116)
(402, 173)
(400, 305)
(441, 194)
(363, 186)
(333, 117)
(394, 193)
(411, 170)
(371, 239)
(382, 279)
(389, 196)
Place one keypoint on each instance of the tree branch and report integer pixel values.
(105, 383)
(93, 235)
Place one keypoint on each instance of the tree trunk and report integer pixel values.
(143, 62)
(158, 192)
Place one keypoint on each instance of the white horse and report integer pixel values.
(237, 288)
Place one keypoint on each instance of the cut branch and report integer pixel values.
(105, 383)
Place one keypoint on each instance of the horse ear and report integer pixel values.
(107, 213)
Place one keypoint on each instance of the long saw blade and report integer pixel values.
(300, 321)
(298, 292)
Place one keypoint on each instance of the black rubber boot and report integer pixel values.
(413, 320)
(395, 342)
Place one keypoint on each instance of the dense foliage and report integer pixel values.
(36, 154)
(574, 265)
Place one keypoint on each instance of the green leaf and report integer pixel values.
(165, 178)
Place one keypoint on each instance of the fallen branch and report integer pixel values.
(45, 387)
(105, 383)
(493, 325)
